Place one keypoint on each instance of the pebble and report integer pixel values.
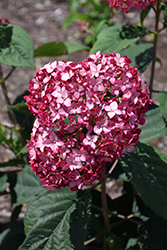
(160, 144)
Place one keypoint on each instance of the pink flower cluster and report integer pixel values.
(87, 113)
(127, 5)
(4, 20)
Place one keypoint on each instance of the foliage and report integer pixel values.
(90, 218)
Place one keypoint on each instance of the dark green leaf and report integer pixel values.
(154, 126)
(79, 221)
(144, 13)
(140, 54)
(131, 31)
(16, 47)
(3, 180)
(15, 213)
(50, 49)
(12, 179)
(27, 186)
(13, 162)
(3, 135)
(110, 39)
(11, 239)
(49, 220)
(73, 47)
(162, 99)
(158, 59)
(164, 9)
(152, 235)
(146, 168)
(20, 107)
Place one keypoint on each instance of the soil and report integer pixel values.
(42, 20)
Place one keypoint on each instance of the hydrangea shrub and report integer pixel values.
(87, 114)
(127, 5)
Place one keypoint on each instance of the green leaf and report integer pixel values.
(73, 47)
(144, 13)
(154, 126)
(16, 47)
(17, 145)
(13, 162)
(3, 180)
(27, 186)
(50, 49)
(11, 239)
(131, 31)
(73, 5)
(100, 26)
(152, 235)
(15, 213)
(146, 168)
(79, 221)
(20, 107)
(51, 220)
(162, 99)
(3, 135)
(140, 54)
(110, 39)
(22, 151)
(164, 9)
(73, 17)
(131, 242)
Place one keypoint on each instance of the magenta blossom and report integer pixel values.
(87, 113)
(4, 20)
(127, 5)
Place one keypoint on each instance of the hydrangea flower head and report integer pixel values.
(4, 20)
(127, 5)
(87, 113)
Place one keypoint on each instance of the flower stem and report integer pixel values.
(8, 102)
(105, 211)
(155, 47)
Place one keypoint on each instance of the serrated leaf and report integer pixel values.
(144, 13)
(3, 180)
(162, 99)
(140, 54)
(16, 47)
(48, 220)
(11, 239)
(27, 186)
(154, 126)
(110, 39)
(152, 235)
(146, 168)
(50, 49)
(73, 47)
